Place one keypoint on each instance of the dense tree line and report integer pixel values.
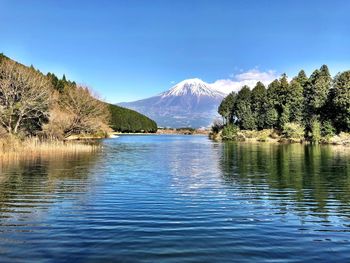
(32, 103)
(125, 120)
(319, 104)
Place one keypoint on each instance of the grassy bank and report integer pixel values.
(12, 147)
(233, 133)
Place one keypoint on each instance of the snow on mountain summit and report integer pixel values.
(190, 103)
(195, 87)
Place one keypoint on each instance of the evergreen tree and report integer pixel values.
(341, 101)
(271, 117)
(259, 104)
(284, 100)
(273, 94)
(273, 104)
(226, 107)
(316, 93)
(59, 86)
(295, 101)
(242, 109)
(278, 96)
(285, 116)
(301, 78)
(283, 90)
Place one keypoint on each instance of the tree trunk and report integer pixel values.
(15, 131)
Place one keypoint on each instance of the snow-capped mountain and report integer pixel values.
(190, 103)
(195, 87)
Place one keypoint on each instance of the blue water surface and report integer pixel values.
(170, 198)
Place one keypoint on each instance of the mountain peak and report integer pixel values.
(195, 87)
(190, 103)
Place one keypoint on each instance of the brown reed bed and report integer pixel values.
(13, 148)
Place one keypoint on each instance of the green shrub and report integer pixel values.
(230, 132)
(293, 131)
(315, 131)
(327, 129)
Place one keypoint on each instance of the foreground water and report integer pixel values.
(178, 199)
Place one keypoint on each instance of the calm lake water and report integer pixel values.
(178, 199)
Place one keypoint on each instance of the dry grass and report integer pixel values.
(12, 148)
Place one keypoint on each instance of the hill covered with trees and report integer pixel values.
(314, 108)
(34, 104)
(125, 120)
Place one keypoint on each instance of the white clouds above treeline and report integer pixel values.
(250, 78)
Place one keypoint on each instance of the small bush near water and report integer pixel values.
(264, 135)
(292, 131)
(230, 132)
(316, 131)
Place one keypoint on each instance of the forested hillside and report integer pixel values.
(125, 120)
(32, 103)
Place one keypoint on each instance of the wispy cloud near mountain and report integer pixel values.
(250, 78)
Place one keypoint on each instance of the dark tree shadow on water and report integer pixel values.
(312, 177)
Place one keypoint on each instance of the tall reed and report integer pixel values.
(11, 147)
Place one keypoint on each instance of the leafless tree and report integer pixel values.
(78, 112)
(24, 97)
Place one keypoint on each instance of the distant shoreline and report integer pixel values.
(167, 132)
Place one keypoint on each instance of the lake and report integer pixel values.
(178, 199)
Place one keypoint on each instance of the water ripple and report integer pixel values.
(178, 199)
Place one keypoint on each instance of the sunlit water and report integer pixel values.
(178, 199)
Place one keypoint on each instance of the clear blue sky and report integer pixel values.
(127, 50)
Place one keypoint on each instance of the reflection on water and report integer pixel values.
(178, 199)
(311, 180)
(30, 185)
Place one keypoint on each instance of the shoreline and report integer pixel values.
(241, 137)
(167, 132)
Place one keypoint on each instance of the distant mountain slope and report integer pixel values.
(190, 103)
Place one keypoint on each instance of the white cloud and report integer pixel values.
(250, 78)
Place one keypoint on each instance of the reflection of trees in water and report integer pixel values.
(28, 184)
(313, 177)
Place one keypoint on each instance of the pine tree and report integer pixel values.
(273, 94)
(295, 101)
(283, 90)
(271, 118)
(226, 107)
(316, 94)
(285, 116)
(341, 101)
(243, 109)
(301, 78)
(258, 104)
